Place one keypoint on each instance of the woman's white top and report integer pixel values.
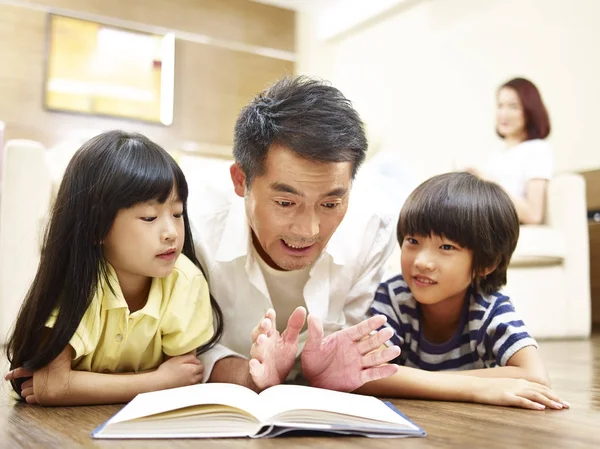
(514, 167)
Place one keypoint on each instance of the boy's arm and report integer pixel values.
(524, 364)
(515, 351)
(443, 386)
(58, 384)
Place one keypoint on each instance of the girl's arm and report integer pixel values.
(443, 386)
(524, 364)
(58, 384)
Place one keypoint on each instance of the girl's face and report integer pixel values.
(436, 269)
(510, 118)
(146, 239)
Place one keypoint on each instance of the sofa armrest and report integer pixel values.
(566, 211)
(25, 201)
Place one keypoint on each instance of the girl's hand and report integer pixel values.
(27, 387)
(27, 392)
(18, 373)
(180, 371)
(516, 393)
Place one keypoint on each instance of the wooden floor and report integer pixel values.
(574, 367)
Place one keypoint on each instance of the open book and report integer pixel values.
(229, 410)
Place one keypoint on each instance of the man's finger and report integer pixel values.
(269, 322)
(256, 368)
(315, 334)
(294, 325)
(267, 326)
(380, 357)
(377, 373)
(365, 327)
(254, 333)
(257, 350)
(264, 327)
(374, 341)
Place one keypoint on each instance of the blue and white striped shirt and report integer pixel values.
(489, 334)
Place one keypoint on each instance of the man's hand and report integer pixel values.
(345, 360)
(273, 354)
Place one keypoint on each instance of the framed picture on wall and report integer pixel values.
(93, 68)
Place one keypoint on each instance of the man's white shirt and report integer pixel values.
(341, 284)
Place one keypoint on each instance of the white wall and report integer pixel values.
(424, 75)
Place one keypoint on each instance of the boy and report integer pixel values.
(457, 234)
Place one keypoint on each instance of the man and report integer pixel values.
(283, 244)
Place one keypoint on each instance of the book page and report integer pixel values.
(148, 404)
(285, 398)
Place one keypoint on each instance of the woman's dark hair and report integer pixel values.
(476, 214)
(537, 122)
(307, 116)
(113, 171)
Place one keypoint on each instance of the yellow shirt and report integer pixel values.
(176, 319)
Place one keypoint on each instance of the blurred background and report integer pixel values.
(423, 74)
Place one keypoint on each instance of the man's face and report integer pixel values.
(294, 207)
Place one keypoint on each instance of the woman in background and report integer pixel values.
(525, 164)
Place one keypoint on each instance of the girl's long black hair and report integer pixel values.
(112, 171)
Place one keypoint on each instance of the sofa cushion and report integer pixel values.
(539, 245)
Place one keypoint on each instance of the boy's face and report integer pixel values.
(436, 269)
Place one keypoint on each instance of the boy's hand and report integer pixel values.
(273, 354)
(516, 393)
(180, 371)
(346, 360)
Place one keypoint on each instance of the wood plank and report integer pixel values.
(574, 367)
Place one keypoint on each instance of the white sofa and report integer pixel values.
(548, 278)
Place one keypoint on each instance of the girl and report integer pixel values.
(113, 293)
(525, 164)
(457, 235)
